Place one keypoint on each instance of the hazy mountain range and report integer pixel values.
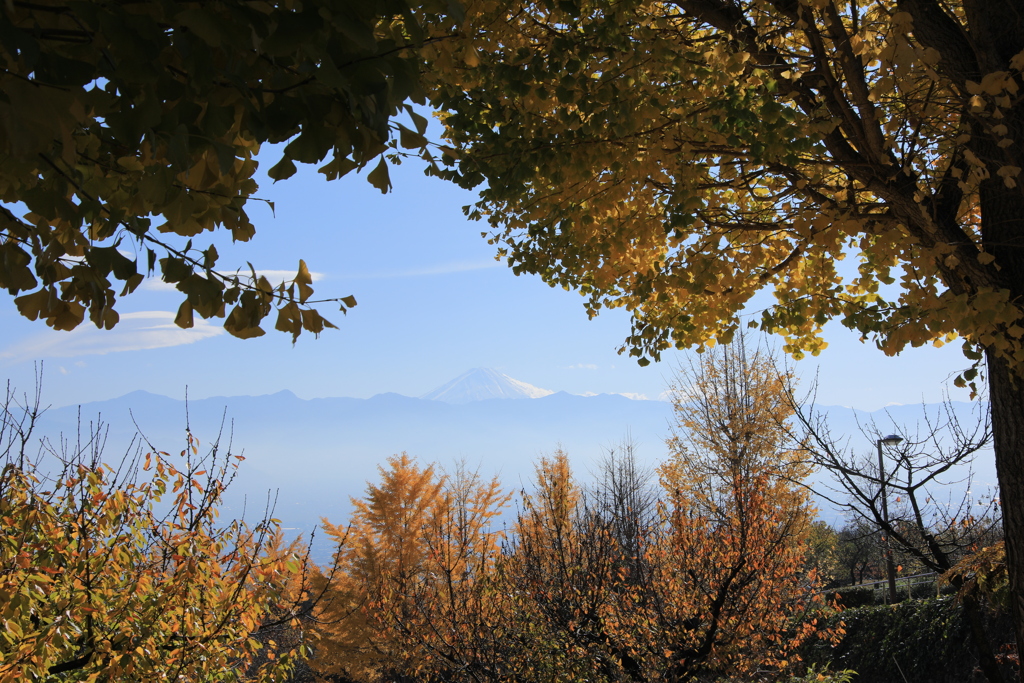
(314, 454)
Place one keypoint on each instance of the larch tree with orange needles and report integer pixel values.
(712, 587)
(732, 409)
(413, 574)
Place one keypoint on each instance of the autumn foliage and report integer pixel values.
(857, 161)
(416, 560)
(124, 572)
(128, 129)
(699, 572)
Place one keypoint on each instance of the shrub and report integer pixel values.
(850, 597)
(916, 641)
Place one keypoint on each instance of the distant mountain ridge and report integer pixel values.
(481, 384)
(312, 455)
(307, 457)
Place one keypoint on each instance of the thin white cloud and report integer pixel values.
(583, 366)
(155, 284)
(135, 332)
(630, 395)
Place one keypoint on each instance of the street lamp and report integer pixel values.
(890, 570)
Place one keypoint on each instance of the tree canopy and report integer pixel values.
(129, 129)
(411, 597)
(676, 158)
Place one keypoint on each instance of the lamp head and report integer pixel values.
(891, 440)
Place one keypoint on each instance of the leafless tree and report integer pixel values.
(625, 497)
(920, 500)
(931, 512)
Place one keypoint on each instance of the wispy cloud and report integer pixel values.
(155, 284)
(583, 366)
(630, 395)
(135, 332)
(276, 277)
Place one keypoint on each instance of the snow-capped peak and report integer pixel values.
(480, 384)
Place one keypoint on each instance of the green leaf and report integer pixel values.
(283, 170)
(184, 318)
(409, 139)
(379, 177)
(303, 279)
(337, 167)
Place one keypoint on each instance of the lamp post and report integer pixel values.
(890, 570)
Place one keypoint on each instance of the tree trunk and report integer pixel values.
(996, 28)
(979, 634)
(1006, 398)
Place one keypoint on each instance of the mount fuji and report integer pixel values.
(481, 384)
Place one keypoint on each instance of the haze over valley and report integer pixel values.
(311, 456)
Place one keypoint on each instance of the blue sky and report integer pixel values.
(433, 303)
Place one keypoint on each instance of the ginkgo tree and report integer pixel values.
(128, 130)
(676, 158)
